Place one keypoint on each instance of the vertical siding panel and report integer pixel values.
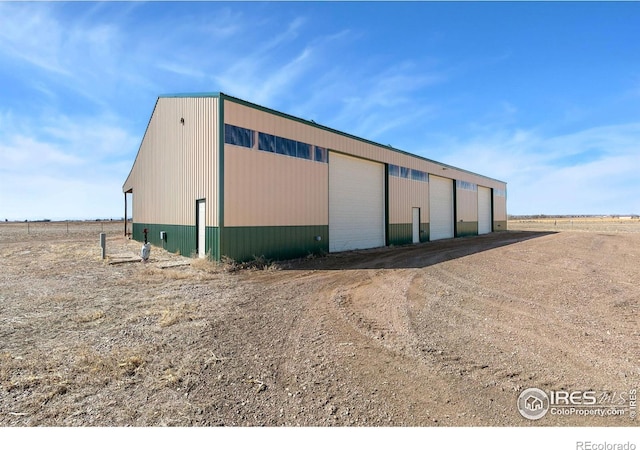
(466, 211)
(405, 194)
(176, 164)
(466, 205)
(499, 210)
(266, 189)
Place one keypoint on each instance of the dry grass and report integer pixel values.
(90, 316)
(86, 343)
(39, 378)
(177, 312)
(206, 265)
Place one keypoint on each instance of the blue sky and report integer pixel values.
(542, 95)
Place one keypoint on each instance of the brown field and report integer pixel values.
(584, 224)
(445, 333)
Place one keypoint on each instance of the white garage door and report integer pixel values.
(356, 203)
(484, 210)
(440, 208)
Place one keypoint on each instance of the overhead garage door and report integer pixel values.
(484, 210)
(356, 203)
(440, 208)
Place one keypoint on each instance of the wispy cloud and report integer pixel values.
(57, 162)
(266, 71)
(383, 99)
(26, 152)
(89, 57)
(589, 171)
(181, 69)
(33, 36)
(57, 197)
(88, 73)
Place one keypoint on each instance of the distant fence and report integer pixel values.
(592, 224)
(63, 227)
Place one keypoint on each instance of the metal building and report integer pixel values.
(220, 176)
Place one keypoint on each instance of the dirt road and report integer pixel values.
(445, 333)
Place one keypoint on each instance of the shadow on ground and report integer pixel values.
(415, 255)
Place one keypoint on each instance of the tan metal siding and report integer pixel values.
(176, 163)
(259, 120)
(266, 189)
(466, 205)
(499, 206)
(404, 194)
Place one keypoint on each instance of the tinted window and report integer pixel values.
(418, 175)
(238, 136)
(303, 150)
(266, 142)
(321, 154)
(285, 146)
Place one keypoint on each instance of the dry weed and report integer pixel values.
(176, 313)
(174, 274)
(111, 366)
(148, 275)
(130, 364)
(170, 377)
(169, 318)
(27, 374)
(206, 265)
(257, 263)
(59, 389)
(61, 298)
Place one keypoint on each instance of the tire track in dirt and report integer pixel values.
(520, 357)
(363, 359)
(460, 344)
(377, 308)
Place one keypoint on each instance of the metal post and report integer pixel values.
(103, 244)
(125, 214)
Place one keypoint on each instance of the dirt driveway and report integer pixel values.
(445, 333)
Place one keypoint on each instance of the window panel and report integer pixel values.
(419, 175)
(466, 185)
(274, 144)
(321, 154)
(303, 150)
(242, 137)
(266, 142)
(285, 146)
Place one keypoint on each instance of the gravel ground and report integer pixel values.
(445, 333)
